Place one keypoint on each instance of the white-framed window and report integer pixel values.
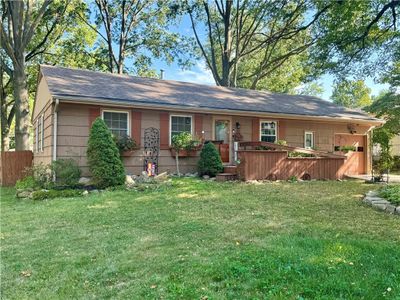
(37, 135)
(117, 121)
(179, 124)
(268, 131)
(309, 140)
(40, 133)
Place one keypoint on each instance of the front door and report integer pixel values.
(222, 138)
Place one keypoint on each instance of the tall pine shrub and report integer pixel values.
(210, 162)
(103, 156)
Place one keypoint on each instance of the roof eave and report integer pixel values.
(117, 103)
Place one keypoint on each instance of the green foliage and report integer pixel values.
(346, 149)
(352, 94)
(103, 156)
(293, 179)
(125, 143)
(51, 194)
(383, 164)
(299, 154)
(396, 162)
(184, 141)
(281, 142)
(42, 175)
(28, 182)
(391, 193)
(66, 171)
(210, 162)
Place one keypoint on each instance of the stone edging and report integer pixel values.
(372, 198)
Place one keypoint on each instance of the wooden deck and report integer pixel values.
(275, 164)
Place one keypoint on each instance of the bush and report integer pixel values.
(391, 193)
(66, 171)
(210, 162)
(51, 194)
(37, 176)
(396, 162)
(27, 182)
(103, 156)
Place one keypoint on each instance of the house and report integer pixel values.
(69, 100)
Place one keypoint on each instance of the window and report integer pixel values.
(180, 124)
(39, 133)
(309, 140)
(268, 130)
(117, 122)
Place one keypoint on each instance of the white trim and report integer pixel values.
(170, 124)
(312, 139)
(128, 112)
(276, 128)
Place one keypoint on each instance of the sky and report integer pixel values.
(200, 74)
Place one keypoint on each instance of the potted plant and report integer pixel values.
(125, 144)
(183, 145)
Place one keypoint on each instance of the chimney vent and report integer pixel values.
(162, 73)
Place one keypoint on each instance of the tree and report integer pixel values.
(137, 30)
(210, 162)
(268, 32)
(358, 37)
(351, 93)
(103, 156)
(20, 23)
(59, 38)
(311, 89)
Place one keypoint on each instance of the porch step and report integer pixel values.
(230, 169)
(226, 177)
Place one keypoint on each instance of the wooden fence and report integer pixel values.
(276, 165)
(12, 166)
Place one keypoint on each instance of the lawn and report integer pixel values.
(202, 240)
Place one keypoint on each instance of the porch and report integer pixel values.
(270, 161)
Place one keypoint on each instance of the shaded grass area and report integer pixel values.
(202, 239)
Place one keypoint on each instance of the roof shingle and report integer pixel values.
(84, 84)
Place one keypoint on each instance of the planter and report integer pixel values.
(129, 153)
(184, 153)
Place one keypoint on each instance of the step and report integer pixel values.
(230, 169)
(226, 177)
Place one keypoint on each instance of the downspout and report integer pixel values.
(55, 113)
(55, 130)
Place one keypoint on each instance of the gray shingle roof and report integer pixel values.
(84, 84)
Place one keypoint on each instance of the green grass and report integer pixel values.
(201, 239)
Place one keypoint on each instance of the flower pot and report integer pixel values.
(129, 153)
(184, 153)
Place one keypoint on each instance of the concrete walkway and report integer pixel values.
(392, 178)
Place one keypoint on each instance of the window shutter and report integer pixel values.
(94, 113)
(164, 130)
(198, 125)
(255, 135)
(136, 126)
(282, 130)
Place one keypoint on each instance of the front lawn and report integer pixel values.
(200, 239)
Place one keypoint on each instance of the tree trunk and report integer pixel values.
(22, 121)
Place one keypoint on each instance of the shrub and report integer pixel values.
(28, 182)
(66, 171)
(125, 143)
(103, 156)
(391, 193)
(210, 162)
(37, 176)
(396, 162)
(51, 194)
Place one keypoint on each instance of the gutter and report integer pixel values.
(154, 106)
